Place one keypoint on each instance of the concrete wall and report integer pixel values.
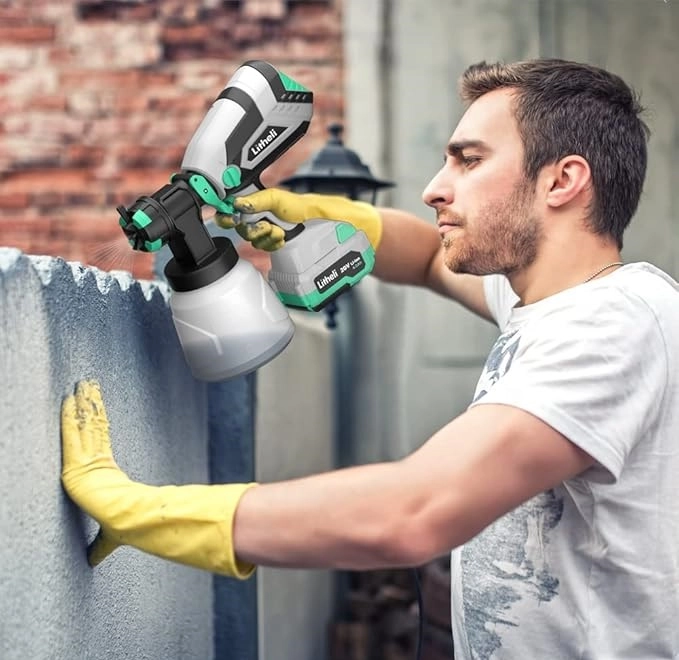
(418, 356)
(294, 437)
(60, 323)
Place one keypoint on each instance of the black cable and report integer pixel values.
(420, 610)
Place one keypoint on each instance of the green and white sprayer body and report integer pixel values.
(227, 317)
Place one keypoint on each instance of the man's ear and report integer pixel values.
(568, 178)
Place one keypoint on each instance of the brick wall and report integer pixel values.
(98, 99)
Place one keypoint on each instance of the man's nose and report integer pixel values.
(439, 191)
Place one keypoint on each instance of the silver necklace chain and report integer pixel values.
(601, 270)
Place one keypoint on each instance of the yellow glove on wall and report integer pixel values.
(187, 524)
(295, 208)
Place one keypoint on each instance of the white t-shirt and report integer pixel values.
(590, 569)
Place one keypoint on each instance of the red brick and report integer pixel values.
(56, 248)
(48, 102)
(80, 155)
(45, 180)
(186, 34)
(134, 183)
(247, 32)
(94, 224)
(330, 103)
(17, 227)
(227, 19)
(98, 11)
(14, 15)
(128, 103)
(139, 156)
(48, 200)
(131, 80)
(60, 55)
(13, 200)
(182, 104)
(22, 243)
(314, 22)
(26, 34)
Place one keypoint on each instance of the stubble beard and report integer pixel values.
(504, 238)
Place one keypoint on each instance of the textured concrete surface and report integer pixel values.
(60, 323)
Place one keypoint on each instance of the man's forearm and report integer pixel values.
(359, 518)
(407, 248)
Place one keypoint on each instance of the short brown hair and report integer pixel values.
(567, 108)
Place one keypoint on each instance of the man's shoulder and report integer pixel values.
(634, 292)
(639, 296)
(645, 282)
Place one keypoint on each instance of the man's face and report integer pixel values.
(484, 205)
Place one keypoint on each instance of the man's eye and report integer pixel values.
(469, 160)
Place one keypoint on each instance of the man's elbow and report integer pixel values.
(411, 538)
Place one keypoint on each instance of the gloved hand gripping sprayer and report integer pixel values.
(228, 319)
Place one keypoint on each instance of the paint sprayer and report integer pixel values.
(229, 319)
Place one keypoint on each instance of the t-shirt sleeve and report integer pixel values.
(597, 376)
(500, 298)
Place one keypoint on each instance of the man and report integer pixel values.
(556, 489)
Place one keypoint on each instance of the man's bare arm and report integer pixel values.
(410, 253)
(477, 468)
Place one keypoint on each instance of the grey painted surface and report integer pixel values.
(61, 323)
(419, 356)
(294, 438)
(231, 453)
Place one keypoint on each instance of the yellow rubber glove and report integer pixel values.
(187, 524)
(295, 208)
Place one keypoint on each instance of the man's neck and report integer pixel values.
(560, 266)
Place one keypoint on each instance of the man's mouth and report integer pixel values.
(446, 226)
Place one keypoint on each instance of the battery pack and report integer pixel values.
(323, 261)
